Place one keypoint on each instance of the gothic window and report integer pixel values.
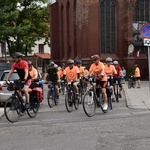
(107, 26)
(142, 11)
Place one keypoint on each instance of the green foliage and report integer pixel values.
(23, 22)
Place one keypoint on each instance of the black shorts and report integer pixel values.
(103, 84)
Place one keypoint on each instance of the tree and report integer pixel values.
(22, 22)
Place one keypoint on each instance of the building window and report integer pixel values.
(108, 26)
(41, 48)
(142, 12)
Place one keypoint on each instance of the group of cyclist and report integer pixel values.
(104, 74)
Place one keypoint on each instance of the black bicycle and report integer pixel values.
(93, 99)
(71, 98)
(131, 81)
(51, 94)
(15, 105)
(116, 89)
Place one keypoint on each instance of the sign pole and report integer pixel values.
(149, 64)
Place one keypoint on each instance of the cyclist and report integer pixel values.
(32, 71)
(22, 69)
(110, 72)
(72, 74)
(81, 69)
(52, 75)
(97, 70)
(118, 76)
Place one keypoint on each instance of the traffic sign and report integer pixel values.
(145, 30)
(146, 42)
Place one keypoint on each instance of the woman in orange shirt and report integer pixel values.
(137, 75)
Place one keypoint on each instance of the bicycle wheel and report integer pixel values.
(76, 102)
(63, 88)
(89, 104)
(129, 83)
(116, 91)
(109, 101)
(101, 101)
(33, 109)
(69, 102)
(50, 99)
(12, 109)
(80, 95)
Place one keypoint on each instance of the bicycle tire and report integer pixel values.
(33, 109)
(63, 88)
(89, 104)
(116, 93)
(50, 99)
(101, 101)
(109, 101)
(76, 102)
(129, 83)
(12, 110)
(69, 102)
(80, 96)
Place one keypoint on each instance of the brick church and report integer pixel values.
(81, 28)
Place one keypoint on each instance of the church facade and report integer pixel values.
(81, 28)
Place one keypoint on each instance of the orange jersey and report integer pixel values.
(86, 72)
(33, 73)
(137, 72)
(98, 70)
(81, 71)
(71, 74)
(110, 70)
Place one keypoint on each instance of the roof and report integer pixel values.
(43, 55)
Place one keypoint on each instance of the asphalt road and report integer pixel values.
(56, 129)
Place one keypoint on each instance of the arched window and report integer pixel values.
(142, 10)
(108, 26)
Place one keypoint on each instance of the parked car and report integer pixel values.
(4, 93)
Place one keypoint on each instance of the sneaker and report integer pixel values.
(119, 96)
(27, 105)
(138, 87)
(105, 106)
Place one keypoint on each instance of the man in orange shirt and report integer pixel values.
(81, 69)
(97, 70)
(72, 74)
(110, 72)
(137, 75)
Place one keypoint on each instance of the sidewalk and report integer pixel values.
(138, 97)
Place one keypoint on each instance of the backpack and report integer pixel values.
(36, 95)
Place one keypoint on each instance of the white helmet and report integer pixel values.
(109, 59)
(115, 62)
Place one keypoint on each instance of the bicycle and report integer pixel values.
(109, 92)
(15, 105)
(71, 98)
(62, 86)
(131, 82)
(51, 94)
(93, 99)
(116, 89)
